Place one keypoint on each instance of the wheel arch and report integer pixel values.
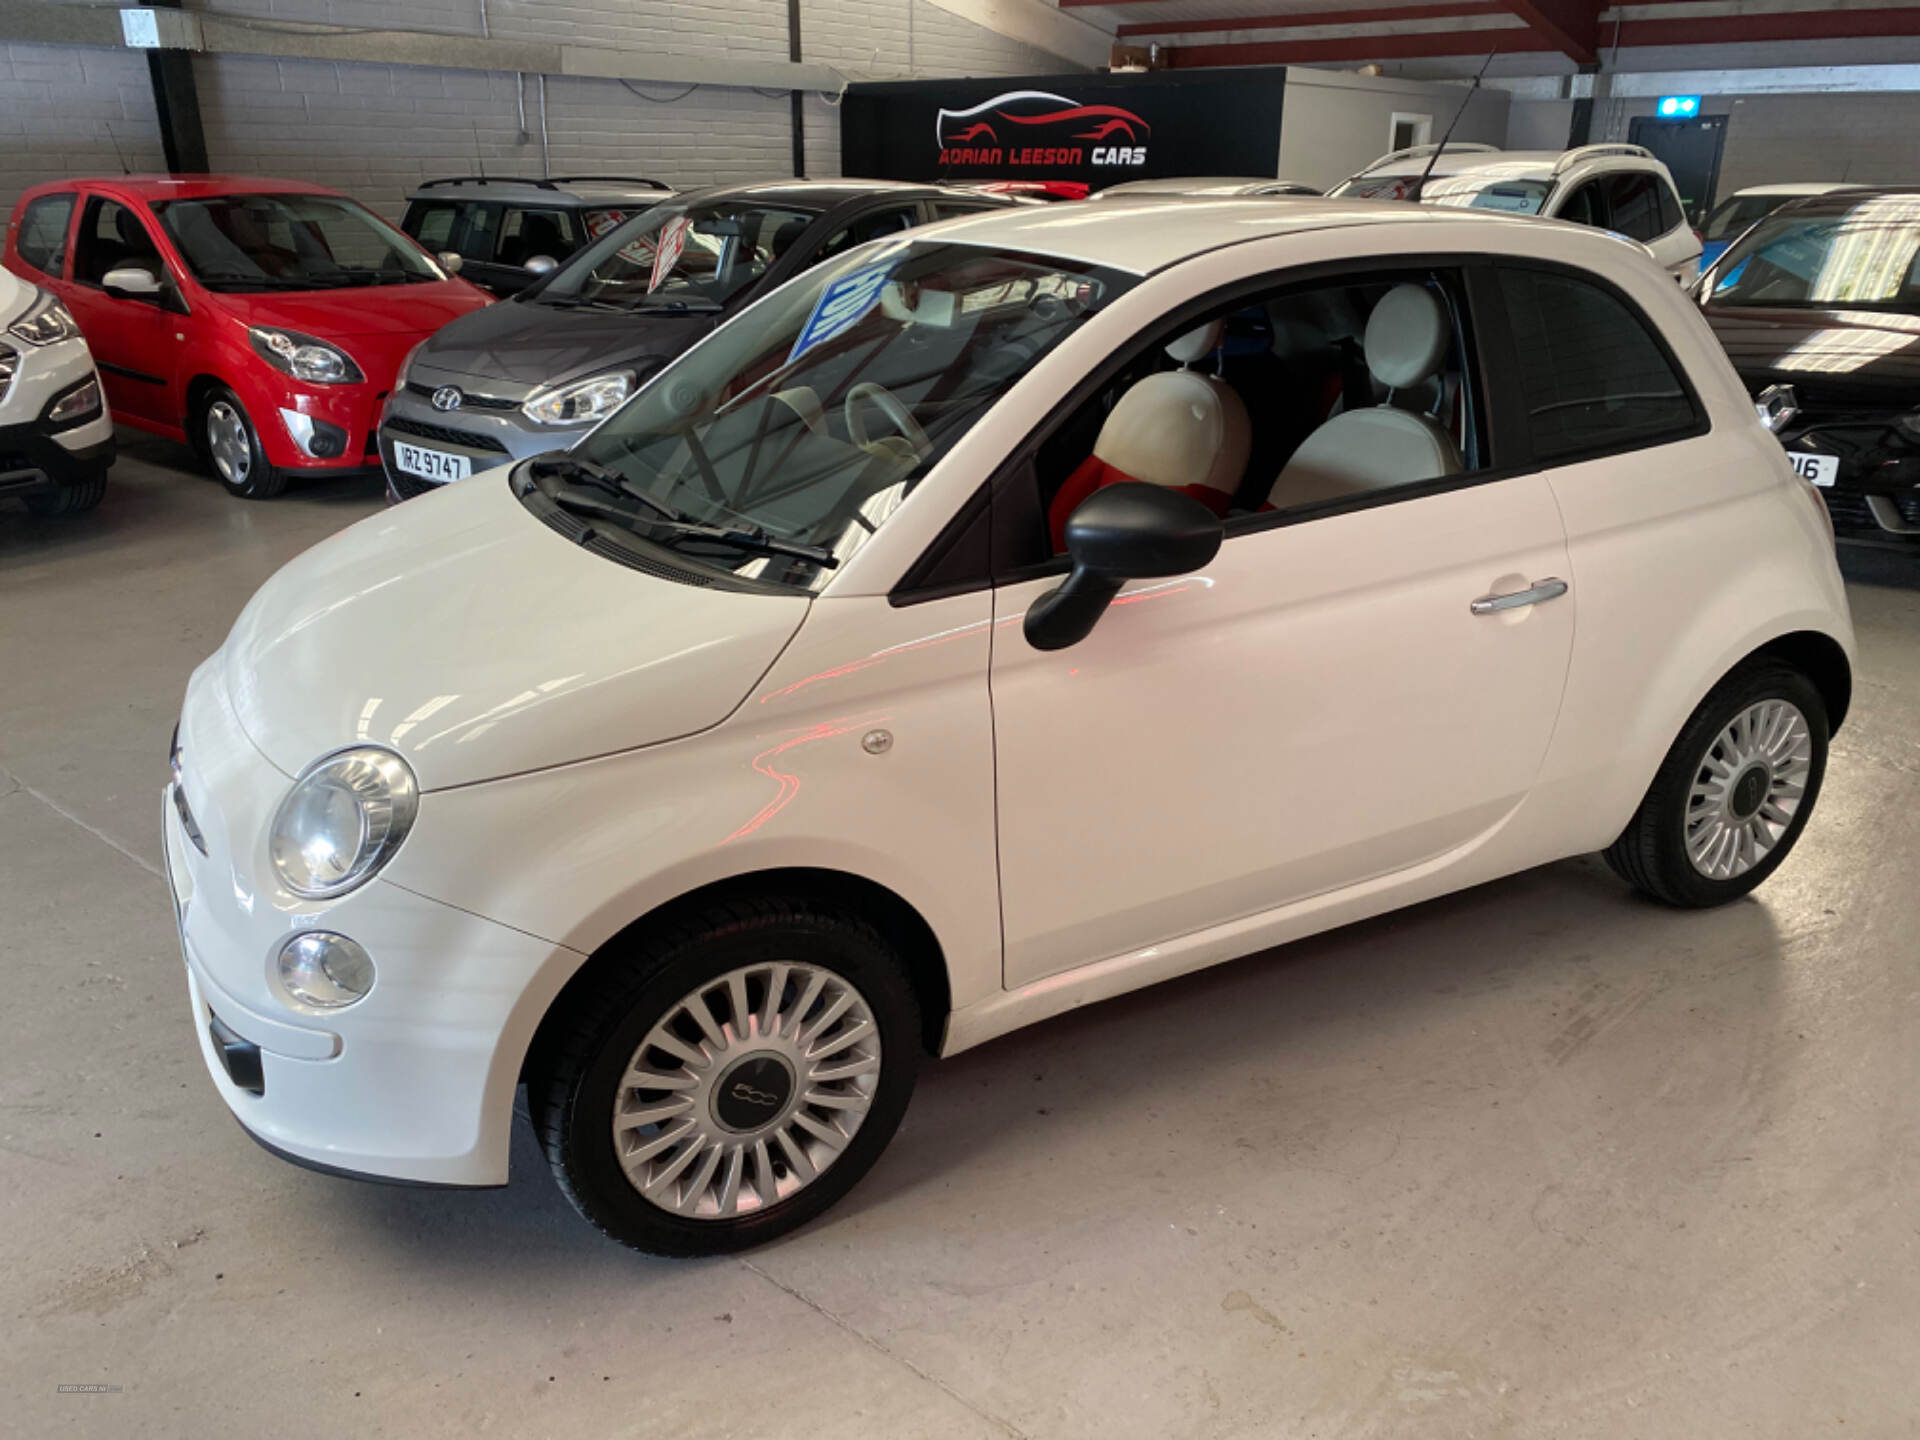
(898, 921)
(203, 384)
(1823, 661)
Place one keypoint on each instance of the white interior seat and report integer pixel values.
(1380, 446)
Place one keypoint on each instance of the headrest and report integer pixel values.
(1407, 337)
(1178, 428)
(1196, 344)
(784, 237)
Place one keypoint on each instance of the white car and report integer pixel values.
(705, 775)
(56, 437)
(1614, 187)
(1211, 187)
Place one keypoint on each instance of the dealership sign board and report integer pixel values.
(1099, 129)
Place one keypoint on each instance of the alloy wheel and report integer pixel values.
(1749, 786)
(747, 1090)
(228, 442)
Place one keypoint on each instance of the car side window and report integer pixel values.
(112, 235)
(1584, 206)
(948, 209)
(525, 233)
(872, 226)
(1295, 402)
(43, 233)
(433, 224)
(1591, 374)
(1672, 217)
(1633, 197)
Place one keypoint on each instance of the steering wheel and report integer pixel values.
(891, 406)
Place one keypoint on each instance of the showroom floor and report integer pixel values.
(1537, 1159)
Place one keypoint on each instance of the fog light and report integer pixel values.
(79, 403)
(325, 970)
(316, 437)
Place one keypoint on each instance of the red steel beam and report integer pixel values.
(1572, 25)
(1386, 14)
(1514, 40)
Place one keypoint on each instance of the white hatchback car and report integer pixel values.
(56, 437)
(1616, 187)
(989, 622)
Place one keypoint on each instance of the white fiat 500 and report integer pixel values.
(991, 621)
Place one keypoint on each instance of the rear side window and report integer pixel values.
(1591, 374)
(43, 233)
(433, 225)
(527, 233)
(1671, 215)
(1583, 206)
(1634, 200)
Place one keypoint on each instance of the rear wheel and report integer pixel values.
(1734, 792)
(232, 446)
(731, 1080)
(70, 499)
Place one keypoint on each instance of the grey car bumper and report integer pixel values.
(485, 426)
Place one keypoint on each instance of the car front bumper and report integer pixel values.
(36, 453)
(486, 428)
(414, 1083)
(1875, 495)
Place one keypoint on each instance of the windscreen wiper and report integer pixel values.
(741, 537)
(600, 477)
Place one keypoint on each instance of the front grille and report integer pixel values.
(402, 425)
(468, 400)
(407, 486)
(1849, 511)
(1908, 504)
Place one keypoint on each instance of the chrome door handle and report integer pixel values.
(1548, 589)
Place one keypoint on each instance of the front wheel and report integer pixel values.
(232, 446)
(1734, 792)
(72, 498)
(731, 1080)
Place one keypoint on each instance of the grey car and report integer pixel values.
(535, 373)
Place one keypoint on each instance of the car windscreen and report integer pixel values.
(1480, 190)
(780, 444)
(290, 242)
(1866, 256)
(1730, 217)
(678, 256)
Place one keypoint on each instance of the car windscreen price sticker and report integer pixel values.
(842, 304)
(673, 239)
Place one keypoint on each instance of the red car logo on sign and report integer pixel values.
(1036, 129)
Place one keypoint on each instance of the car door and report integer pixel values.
(1318, 708)
(134, 338)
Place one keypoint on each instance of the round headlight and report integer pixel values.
(325, 970)
(342, 821)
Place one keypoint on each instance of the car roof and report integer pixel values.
(1189, 184)
(1839, 202)
(1517, 164)
(586, 188)
(192, 187)
(1798, 187)
(1150, 233)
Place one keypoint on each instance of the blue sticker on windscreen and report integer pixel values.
(843, 304)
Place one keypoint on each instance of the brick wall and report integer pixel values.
(377, 130)
(63, 111)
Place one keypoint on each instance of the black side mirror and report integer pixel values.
(1123, 532)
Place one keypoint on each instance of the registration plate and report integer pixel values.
(1820, 469)
(431, 464)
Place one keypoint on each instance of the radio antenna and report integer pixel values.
(478, 158)
(1420, 188)
(114, 141)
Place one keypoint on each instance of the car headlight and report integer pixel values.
(304, 357)
(325, 970)
(579, 402)
(47, 321)
(342, 821)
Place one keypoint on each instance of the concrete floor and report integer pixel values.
(1535, 1160)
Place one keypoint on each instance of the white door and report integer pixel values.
(1316, 708)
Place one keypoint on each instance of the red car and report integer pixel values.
(261, 321)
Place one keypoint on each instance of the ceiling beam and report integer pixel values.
(1780, 25)
(1391, 14)
(1572, 25)
(1514, 40)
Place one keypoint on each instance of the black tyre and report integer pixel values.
(730, 1078)
(1734, 792)
(225, 434)
(70, 499)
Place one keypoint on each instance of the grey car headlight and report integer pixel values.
(343, 820)
(580, 402)
(47, 321)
